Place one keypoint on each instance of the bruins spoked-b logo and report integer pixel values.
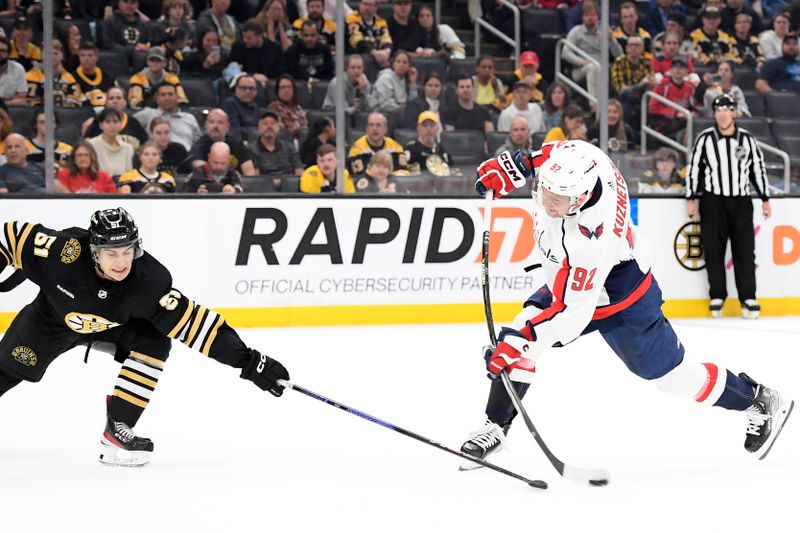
(24, 356)
(71, 251)
(689, 247)
(86, 323)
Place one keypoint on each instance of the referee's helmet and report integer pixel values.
(724, 100)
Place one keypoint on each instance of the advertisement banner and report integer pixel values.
(291, 261)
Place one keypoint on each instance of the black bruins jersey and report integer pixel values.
(421, 158)
(94, 87)
(78, 301)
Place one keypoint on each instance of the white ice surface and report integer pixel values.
(230, 458)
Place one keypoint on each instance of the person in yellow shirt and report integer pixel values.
(146, 178)
(489, 91)
(325, 26)
(66, 91)
(322, 176)
(376, 139)
(23, 51)
(142, 92)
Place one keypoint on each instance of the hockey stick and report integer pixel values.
(593, 476)
(536, 483)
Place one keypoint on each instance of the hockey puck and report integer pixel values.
(598, 482)
(538, 484)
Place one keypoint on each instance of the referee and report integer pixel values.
(725, 160)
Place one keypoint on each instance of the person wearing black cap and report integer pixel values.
(725, 160)
(711, 44)
(782, 73)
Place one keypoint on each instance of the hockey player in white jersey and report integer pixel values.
(598, 279)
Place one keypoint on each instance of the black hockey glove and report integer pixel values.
(265, 372)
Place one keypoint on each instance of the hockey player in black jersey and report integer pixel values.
(100, 289)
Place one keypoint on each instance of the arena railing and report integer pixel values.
(515, 42)
(572, 84)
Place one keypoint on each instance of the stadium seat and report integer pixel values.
(755, 103)
(290, 184)
(790, 144)
(200, 92)
(495, 140)
(545, 46)
(537, 139)
(69, 134)
(371, 67)
(459, 67)
(318, 92)
(353, 134)
(303, 93)
(759, 127)
(73, 116)
(403, 136)
(465, 147)
(22, 119)
(200, 114)
(423, 184)
(539, 21)
(425, 65)
(313, 114)
(454, 185)
(745, 77)
(701, 123)
(782, 105)
(258, 184)
(785, 127)
(114, 64)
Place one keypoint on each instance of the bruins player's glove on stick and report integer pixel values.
(502, 174)
(265, 373)
(508, 356)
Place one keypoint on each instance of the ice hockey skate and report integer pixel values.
(122, 447)
(716, 307)
(489, 439)
(750, 309)
(765, 418)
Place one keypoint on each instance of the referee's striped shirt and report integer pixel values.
(725, 165)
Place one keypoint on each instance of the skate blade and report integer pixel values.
(778, 432)
(750, 315)
(111, 455)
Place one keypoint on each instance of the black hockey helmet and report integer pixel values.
(114, 228)
(724, 100)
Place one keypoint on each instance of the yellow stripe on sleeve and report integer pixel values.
(198, 320)
(182, 322)
(25, 233)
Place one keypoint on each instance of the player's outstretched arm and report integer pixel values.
(206, 331)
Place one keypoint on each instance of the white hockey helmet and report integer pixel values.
(572, 170)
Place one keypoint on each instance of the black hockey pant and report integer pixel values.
(35, 338)
(723, 218)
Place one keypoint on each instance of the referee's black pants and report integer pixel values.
(723, 218)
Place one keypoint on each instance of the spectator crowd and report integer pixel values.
(215, 96)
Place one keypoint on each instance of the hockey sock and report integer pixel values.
(136, 382)
(7, 383)
(499, 408)
(708, 384)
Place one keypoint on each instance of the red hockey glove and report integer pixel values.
(508, 356)
(502, 174)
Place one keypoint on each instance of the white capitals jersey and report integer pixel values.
(594, 262)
